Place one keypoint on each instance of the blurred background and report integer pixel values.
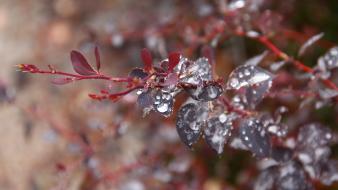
(48, 133)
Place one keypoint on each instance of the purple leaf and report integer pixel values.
(61, 81)
(217, 132)
(147, 59)
(254, 136)
(189, 123)
(98, 59)
(80, 64)
(247, 75)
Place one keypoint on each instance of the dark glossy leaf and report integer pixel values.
(254, 136)
(97, 58)
(248, 75)
(62, 81)
(197, 72)
(80, 64)
(174, 59)
(255, 93)
(217, 132)
(147, 59)
(189, 122)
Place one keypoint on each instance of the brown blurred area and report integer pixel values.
(43, 32)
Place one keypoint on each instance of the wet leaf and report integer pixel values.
(254, 136)
(217, 132)
(196, 72)
(190, 120)
(255, 93)
(245, 76)
(80, 64)
(313, 143)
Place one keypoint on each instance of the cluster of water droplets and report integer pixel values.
(154, 99)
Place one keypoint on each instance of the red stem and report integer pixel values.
(279, 53)
(82, 77)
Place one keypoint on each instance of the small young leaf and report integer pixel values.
(174, 59)
(80, 64)
(147, 59)
(61, 81)
(98, 59)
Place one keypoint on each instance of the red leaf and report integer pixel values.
(97, 57)
(147, 59)
(174, 59)
(80, 64)
(61, 81)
